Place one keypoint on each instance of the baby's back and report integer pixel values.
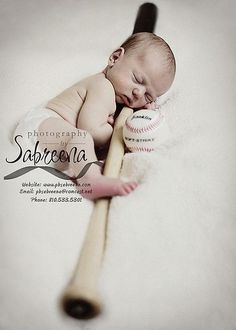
(68, 103)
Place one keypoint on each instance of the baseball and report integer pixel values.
(145, 130)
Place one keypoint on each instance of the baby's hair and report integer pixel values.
(142, 40)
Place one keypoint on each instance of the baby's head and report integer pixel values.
(141, 69)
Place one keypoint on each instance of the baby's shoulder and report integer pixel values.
(99, 81)
(99, 86)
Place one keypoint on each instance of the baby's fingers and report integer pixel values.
(110, 120)
(150, 106)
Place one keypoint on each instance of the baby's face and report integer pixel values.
(138, 80)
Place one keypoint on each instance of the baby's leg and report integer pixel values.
(100, 186)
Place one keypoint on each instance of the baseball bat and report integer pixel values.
(146, 18)
(81, 298)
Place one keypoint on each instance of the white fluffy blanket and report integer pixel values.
(170, 261)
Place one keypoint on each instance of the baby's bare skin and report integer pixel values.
(87, 105)
(135, 81)
(100, 186)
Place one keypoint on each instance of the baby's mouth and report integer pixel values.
(126, 100)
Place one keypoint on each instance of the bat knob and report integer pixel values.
(80, 309)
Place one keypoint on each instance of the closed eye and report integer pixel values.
(138, 80)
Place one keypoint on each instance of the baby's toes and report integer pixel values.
(133, 185)
(128, 187)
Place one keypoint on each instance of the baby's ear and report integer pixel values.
(115, 56)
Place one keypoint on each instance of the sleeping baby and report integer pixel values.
(139, 71)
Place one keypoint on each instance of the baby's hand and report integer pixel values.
(150, 106)
(111, 120)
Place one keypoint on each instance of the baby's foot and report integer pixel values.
(106, 187)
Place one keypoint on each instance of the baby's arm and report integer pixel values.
(95, 111)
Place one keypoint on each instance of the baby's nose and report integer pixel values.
(138, 92)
